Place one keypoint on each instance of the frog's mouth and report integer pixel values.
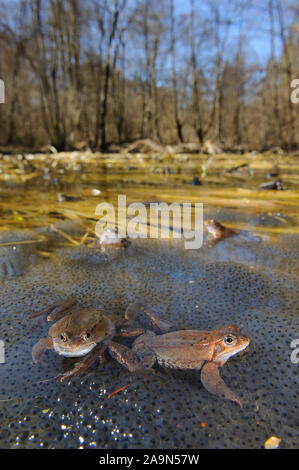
(73, 351)
(227, 354)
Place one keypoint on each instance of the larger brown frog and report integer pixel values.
(186, 349)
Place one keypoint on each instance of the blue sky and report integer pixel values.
(255, 23)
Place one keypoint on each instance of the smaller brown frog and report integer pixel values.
(273, 185)
(217, 231)
(110, 238)
(85, 331)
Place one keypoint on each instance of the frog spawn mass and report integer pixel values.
(17, 252)
(160, 408)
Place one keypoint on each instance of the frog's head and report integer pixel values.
(109, 236)
(228, 341)
(72, 338)
(73, 345)
(213, 224)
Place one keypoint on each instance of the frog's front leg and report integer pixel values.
(40, 348)
(126, 357)
(139, 313)
(81, 366)
(212, 381)
(211, 241)
(125, 327)
(54, 312)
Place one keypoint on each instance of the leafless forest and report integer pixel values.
(102, 72)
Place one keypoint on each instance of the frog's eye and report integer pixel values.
(86, 336)
(63, 337)
(229, 340)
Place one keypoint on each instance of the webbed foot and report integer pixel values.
(137, 312)
(126, 357)
(212, 381)
(54, 312)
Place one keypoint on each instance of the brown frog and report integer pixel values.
(110, 238)
(85, 331)
(217, 231)
(90, 332)
(186, 349)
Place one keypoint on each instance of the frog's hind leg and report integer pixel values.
(54, 312)
(126, 357)
(212, 381)
(83, 365)
(141, 314)
(126, 327)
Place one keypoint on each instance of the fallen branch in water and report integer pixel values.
(22, 242)
(65, 235)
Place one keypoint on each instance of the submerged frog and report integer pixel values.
(186, 349)
(218, 231)
(273, 185)
(86, 331)
(110, 238)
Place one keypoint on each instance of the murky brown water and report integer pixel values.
(29, 186)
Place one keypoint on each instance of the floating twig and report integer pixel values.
(65, 235)
(118, 390)
(21, 242)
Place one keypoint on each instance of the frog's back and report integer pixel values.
(185, 349)
(83, 319)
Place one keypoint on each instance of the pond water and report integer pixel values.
(250, 279)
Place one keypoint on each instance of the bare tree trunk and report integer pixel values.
(148, 127)
(14, 99)
(276, 122)
(178, 123)
(49, 90)
(197, 113)
(107, 71)
(97, 71)
(42, 73)
(240, 83)
(121, 94)
(290, 76)
(144, 115)
(220, 117)
(154, 91)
